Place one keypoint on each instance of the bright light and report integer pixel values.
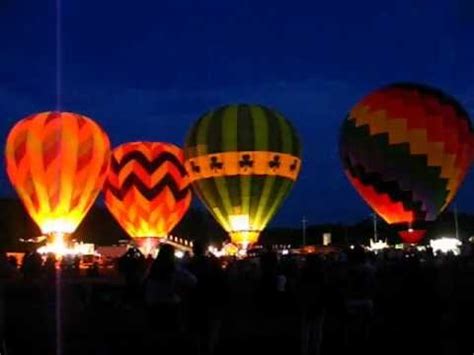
(64, 225)
(241, 232)
(378, 245)
(352, 247)
(58, 247)
(284, 252)
(230, 249)
(148, 246)
(239, 222)
(446, 245)
(242, 253)
(179, 254)
(216, 252)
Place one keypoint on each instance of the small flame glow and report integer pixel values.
(239, 222)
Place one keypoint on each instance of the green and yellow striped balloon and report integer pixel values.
(243, 161)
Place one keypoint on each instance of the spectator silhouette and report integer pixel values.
(359, 293)
(270, 283)
(208, 299)
(7, 271)
(166, 286)
(132, 266)
(50, 266)
(312, 301)
(32, 266)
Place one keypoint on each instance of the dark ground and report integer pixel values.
(419, 310)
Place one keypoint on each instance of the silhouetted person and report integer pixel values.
(359, 293)
(7, 271)
(208, 299)
(270, 283)
(132, 266)
(93, 270)
(312, 301)
(32, 265)
(50, 266)
(166, 285)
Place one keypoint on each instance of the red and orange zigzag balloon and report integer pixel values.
(147, 189)
(57, 162)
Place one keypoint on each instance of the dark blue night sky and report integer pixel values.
(146, 70)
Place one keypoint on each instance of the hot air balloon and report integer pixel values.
(147, 190)
(57, 162)
(243, 161)
(406, 149)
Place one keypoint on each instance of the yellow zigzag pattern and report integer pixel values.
(397, 131)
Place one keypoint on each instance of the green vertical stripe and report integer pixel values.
(295, 141)
(256, 189)
(279, 195)
(286, 136)
(270, 201)
(233, 189)
(263, 197)
(274, 135)
(191, 138)
(214, 132)
(223, 192)
(200, 145)
(245, 129)
(245, 189)
(207, 189)
(229, 129)
(260, 124)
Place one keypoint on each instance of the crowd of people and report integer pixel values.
(350, 301)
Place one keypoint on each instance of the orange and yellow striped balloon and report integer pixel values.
(147, 189)
(57, 162)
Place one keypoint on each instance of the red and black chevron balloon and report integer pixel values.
(147, 189)
(406, 149)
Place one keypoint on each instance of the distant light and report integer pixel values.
(59, 248)
(179, 254)
(410, 230)
(446, 245)
(378, 245)
(242, 252)
(284, 252)
(352, 246)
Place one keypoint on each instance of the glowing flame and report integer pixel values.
(148, 246)
(58, 246)
(241, 232)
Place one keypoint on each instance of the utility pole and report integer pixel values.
(304, 230)
(374, 215)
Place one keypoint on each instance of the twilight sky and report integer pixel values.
(145, 70)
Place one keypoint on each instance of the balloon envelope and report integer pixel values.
(147, 189)
(412, 236)
(406, 148)
(243, 161)
(57, 162)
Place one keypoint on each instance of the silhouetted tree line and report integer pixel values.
(99, 227)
